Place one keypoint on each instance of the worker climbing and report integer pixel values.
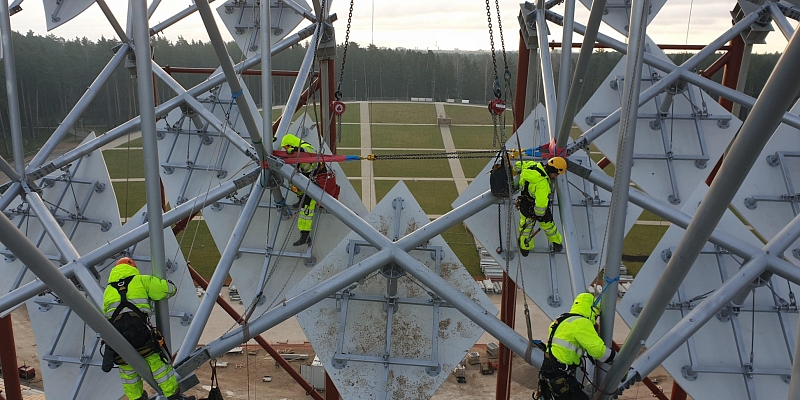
(292, 143)
(571, 335)
(126, 304)
(534, 201)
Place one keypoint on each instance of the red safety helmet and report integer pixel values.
(126, 260)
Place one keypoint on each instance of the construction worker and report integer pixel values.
(571, 335)
(126, 303)
(292, 143)
(534, 201)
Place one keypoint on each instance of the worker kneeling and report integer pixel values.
(292, 143)
(571, 335)
(534, 201)
(126, 304)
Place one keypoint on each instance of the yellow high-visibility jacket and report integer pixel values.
(576, 335)
(141, 290)
(297, 143)
(533, 173)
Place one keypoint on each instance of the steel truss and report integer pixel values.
(759, 263)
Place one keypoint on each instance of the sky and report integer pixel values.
(418, 24)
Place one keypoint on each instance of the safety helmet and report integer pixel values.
(290, 142)
(559, 164)
(127, 261)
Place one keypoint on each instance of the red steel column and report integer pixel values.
(8, 359)
(331, 393)
(200, 281)
(677, 392)
(330, 99)
(508, 302)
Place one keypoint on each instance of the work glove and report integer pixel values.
(546, 217)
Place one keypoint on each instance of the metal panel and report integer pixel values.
(770, 195)
(59, 12)
(716, 362)
(679, 133)
(544, 276)
(243, 22)
(388, 336)
(618, 13)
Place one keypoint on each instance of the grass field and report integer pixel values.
(435, 197)
(132, 143)
(402, 113)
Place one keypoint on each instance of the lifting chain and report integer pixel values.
(338, 94)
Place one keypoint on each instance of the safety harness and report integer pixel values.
(554, 375)
(134, 325)
(526, 202)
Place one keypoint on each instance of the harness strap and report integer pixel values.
(122, 287)
(558, 322)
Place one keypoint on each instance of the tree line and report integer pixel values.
(53, 73)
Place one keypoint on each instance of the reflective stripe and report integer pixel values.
(165, 378)
(565, 344)
(539, 210)
(160, 370)
(130, 381)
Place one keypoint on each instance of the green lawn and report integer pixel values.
(434, 197)
(413, 136)
(437, 168)
(351, 168)
(472, 115)
(130, 197)
(357, 187)
(473, 166)
(132, 143)
(198, 247)
(351, 136)
(648, 216)
(640, 241)
(474, 137)
(463, 245)
(352, 112)
(403, 113)
(124, 164)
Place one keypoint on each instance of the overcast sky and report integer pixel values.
(419, 24)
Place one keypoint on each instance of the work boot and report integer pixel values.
(524, 252)
(557, 247)
(143, 396)
(304, 239)
(179, 396)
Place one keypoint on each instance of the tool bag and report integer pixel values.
(214, 393)
(526, 203)
(499, 176)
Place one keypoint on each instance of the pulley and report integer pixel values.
(497, 106)
(338, 107)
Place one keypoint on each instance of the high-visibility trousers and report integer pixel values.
(306, 217)
(526, 231)
(162, 372)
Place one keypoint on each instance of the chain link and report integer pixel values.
(491, 36)
(338, 93)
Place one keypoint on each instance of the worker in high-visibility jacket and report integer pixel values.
(571, 335)
(292, 143)
(534, 201)
(126, 303)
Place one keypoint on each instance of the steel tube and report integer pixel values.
(157, 28)
(582, 68)
(290, 307)
(163, 108)
(38, 263)
(11, 88)
(83, 103)
(297, 89)
(300, 10)
(220, 273)
(113, 21)
(546, 66)
(780, 20)
(152, 181)
(136, 235)
(696, 319)
(258, 338)
(622, 175)
(446, 221)
(565, 68)
(469, 308)
(572, 249)
(9, 170)
(266, 65)
(777, 96)
(53, 229)
(783, 239)
(243, 101)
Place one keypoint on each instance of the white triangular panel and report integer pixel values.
(720, 351)
(243, 21)
(544, 276)
(770, 195)
(59, 12)
(618, 12)
(671, 156)
(413, 325)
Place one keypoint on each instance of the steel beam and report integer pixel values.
(777, 96)
(11, 88)
(83, 103)
(152, 181)
(38, 263)
(265, 15)
(622, 175)
(113, 21)
(177, 17)
(565, 68)
(221, 272)
(546, 66)
(297, 89)
(696, 319)
(243, 101)
(136, 235)
(780, 20)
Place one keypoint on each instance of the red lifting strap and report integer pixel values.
(305, 158)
